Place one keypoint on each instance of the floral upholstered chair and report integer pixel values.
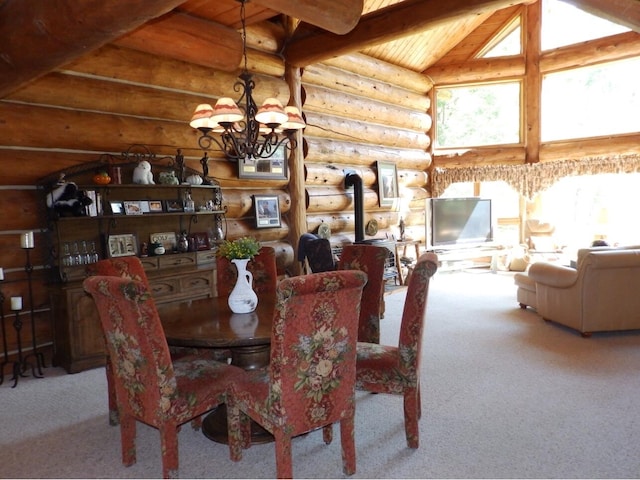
(371, 260)
(263, 268)
(396, 370)
(150, 387)
(123, 267)
(310, 381)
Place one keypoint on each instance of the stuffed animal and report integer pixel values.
(142, 174)
(67, 201)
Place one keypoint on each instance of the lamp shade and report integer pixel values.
(271, 112)
(226, 111)
(202, 116)
(295, 120)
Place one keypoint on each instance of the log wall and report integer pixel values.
(361, 111)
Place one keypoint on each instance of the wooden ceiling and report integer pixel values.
(411, 33)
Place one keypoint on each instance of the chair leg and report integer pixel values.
(170, 454)
(111, 392)
(411, 416)
(327, 433)
(347, 439)
(284, 468)
(128, 439)
(238, 431)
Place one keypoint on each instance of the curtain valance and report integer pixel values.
(530, 179)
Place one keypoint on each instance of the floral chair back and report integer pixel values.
(310, 380)
(122, 267)
(149, 387)
(396, 370)
(370, 259)
(263, 267)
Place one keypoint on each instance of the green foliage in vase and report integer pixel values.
(241, 248)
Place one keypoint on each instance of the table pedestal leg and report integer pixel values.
(214, 426)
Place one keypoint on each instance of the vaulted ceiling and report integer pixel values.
(46, 34)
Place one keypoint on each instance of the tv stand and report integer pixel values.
(459, 258)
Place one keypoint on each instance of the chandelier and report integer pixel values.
(246, 132)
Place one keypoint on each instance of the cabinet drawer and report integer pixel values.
(176, 261)
(149, 263)
(165, 287)
(197, 282)
(206, 257)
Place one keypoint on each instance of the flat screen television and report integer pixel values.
(461, 221)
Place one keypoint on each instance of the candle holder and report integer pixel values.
(21, 364)
(5, 352)
(38, 356)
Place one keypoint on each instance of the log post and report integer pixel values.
(297, 213)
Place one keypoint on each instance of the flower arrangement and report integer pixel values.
(241, 248)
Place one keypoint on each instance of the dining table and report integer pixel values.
(209, 323)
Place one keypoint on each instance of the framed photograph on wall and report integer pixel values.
(124, 245)
(267, 211)
(273, 167)
(387, 183)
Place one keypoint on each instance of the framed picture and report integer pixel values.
(267, 211)
(116, 208)
(272, 167)
(174, 206)
(155, 206)
(124, 245)
(169, 240)
(132, 208)
(387, 183)
(201, 241)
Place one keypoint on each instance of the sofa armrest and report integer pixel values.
(553, 275)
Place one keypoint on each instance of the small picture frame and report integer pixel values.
(169, 240)
(201, 241)
(267, 211)
(273, 167)
(173, 206)
(387, 184)
(124, 245)
(116, 208)
(155, 206)
(132, 208)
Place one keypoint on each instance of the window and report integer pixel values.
(591, 101)
(478, 115)
(507, 42)
(557, 16)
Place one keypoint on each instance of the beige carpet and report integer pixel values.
(505, 395)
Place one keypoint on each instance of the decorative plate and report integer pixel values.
(372, 227)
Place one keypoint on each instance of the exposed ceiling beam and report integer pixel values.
(183, 37)
(622, 12)
(47, 34)
(387, 24)
(336, 16)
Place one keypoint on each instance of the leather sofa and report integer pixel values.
(600, 294)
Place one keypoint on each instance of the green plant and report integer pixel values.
(241, 248)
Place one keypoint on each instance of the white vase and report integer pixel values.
(242, 298)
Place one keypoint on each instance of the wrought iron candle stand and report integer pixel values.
(38, 356)
(5, 358)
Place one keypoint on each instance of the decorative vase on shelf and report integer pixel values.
(242, 298)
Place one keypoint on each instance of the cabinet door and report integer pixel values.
(87, 339)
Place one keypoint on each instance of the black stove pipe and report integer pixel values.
(352, 179)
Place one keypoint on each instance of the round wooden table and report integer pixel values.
(209, 323)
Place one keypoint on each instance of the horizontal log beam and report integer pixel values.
(47, 34)
(337, 16)
(190, 39)
(388, 24)
(480, 70)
